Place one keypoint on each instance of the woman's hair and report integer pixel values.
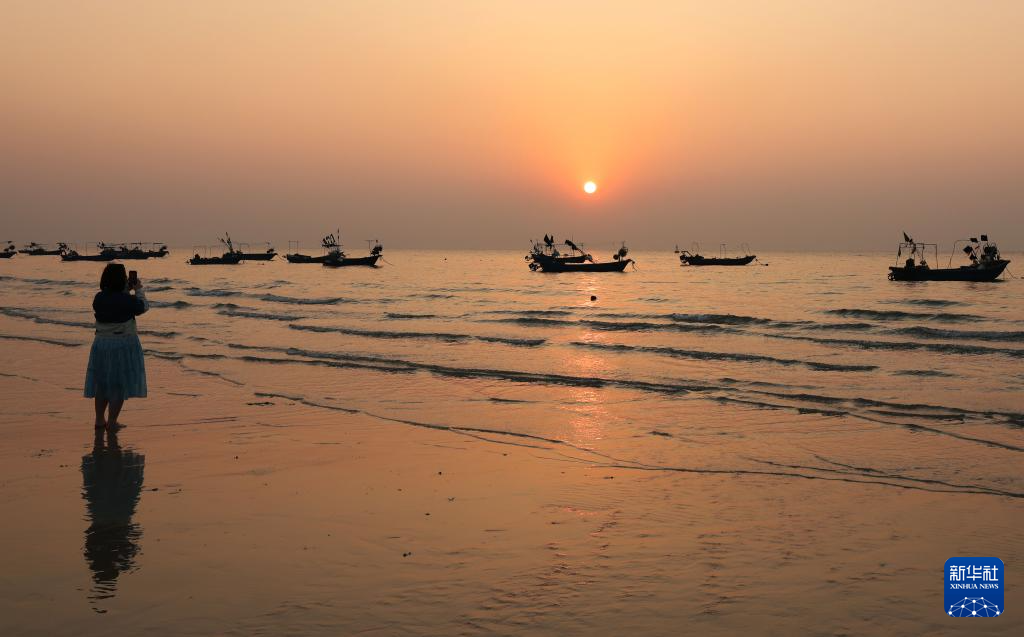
(114, 278)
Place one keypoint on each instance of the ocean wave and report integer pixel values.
(256, 314)
(18, 313)
(899, 315)
(61, 282)
(330, 300)
(45, 320)
(727, 356)
(214, 292)
(941, 348)
(974, 335)
(641, 326)
(823, 327)
(532, 320)
(613, 326)
(718, 319)
(439, 336)
(158, 333)
(923, 372)
(677, 317)
(927, 302)
(508, 340)
(400, 316)
(531, 313)
(177, 305)
(37, 339)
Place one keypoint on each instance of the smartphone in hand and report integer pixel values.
(133, 279)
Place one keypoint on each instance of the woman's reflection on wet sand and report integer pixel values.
(112, 483)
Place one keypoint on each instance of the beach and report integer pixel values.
(688, 453)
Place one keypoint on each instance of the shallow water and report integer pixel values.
(800, 370)
(475, 337)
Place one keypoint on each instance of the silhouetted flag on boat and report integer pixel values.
(907, 238)
(967, 249)
(975, 239)
(984, 237)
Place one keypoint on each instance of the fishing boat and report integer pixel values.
(226, 259)
(231, 257)
(106, 253)
(546, 250)
(9, 251)
(339, 259)
(617, 264)
(38, 250)
(125, 252)
(330, 244)
(986, 264)
(157, 253)
(267, 255)
(696, 258)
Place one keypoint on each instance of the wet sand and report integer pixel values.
(262, 515)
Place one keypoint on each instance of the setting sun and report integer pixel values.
(590, 187)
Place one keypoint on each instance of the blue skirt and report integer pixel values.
(116, 369)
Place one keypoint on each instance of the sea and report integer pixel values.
(778, 365)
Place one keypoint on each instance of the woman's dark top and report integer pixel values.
(116, 307)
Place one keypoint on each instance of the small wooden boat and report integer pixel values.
(158, 253)
(9, 251)
(267, 255)
(340, 262)
(225, 259)
(697, 259)
(339, 259)
(74, 255)
(985, 262)
(38, 250)
(106, 253)
(547, 251)
(608, 266)
(331, 245)
(231, 257)
(617, 264)
(128, 253)
(305, 258)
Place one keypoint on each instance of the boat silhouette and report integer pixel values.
(339, 259)
(231, 257)
(556, 264)
(986, 264)
(547, 250)
(331, 245)
(266, 255)
(696, 258)
(34, 249)
(106, 253)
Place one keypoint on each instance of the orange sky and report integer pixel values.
(475, 123)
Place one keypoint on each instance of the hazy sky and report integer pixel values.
(438, 124)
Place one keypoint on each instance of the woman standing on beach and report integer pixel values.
(116, 368)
